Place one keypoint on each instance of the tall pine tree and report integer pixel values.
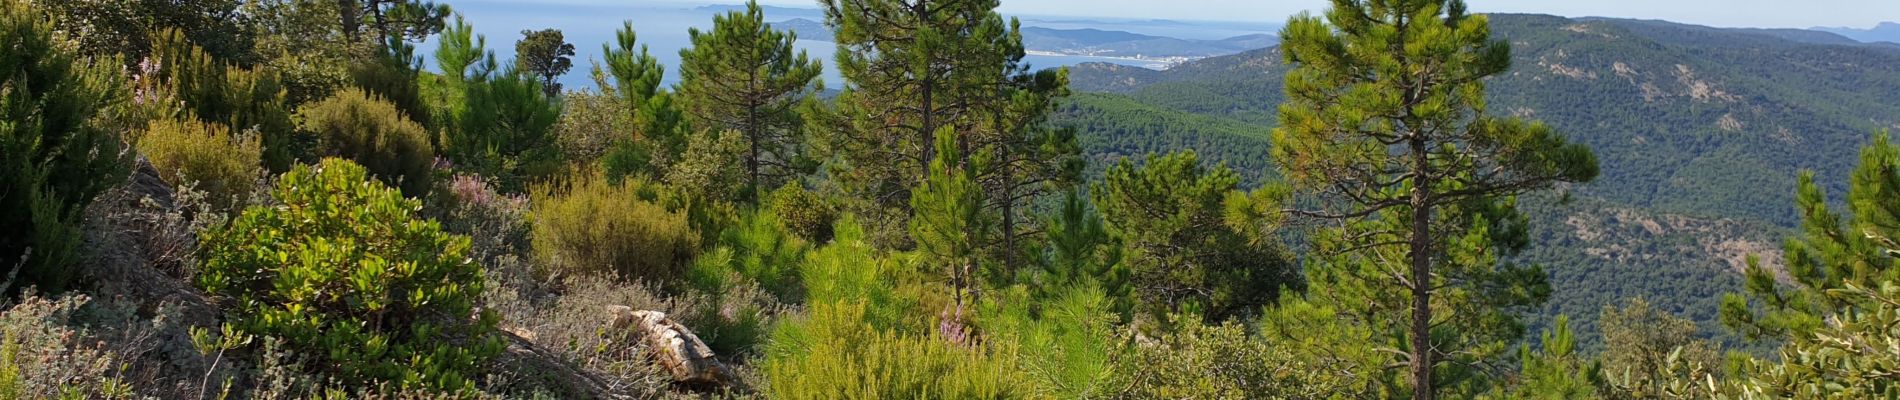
(633, 76)
(1385, 121)
(744, 76)
(911, 68)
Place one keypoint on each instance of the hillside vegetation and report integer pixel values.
(291, 199)
(1704, 126)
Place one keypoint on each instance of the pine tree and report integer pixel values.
(743, 76)
(1556, 371)
(950, 221)
(1182, 251)
(911, 68)
(1385, 121)
(1832, 252)
(392, 20)
(545, 54)
(633, 75)
(1031, 158)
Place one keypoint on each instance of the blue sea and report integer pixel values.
(662, 27)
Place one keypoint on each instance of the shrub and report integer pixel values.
(850, 269)
(393, 73)
(224, 165)
(833, 353)
(758, 250)
(497, 222)
(1067, 341)
(710, 167)
(590, 124)
(182, 81)
(803, 212)
(361, 127)
(343, 271)
(58, 148)
(42, 356)
(593, 226)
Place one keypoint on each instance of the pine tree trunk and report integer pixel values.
(349, 19)
(1421, 243)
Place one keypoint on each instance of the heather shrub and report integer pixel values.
(207, 156)
(43, 356)
(60, 146)
(497, 222)
(356, 125)
(343, 271)
(591, 226)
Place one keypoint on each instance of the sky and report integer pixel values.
(1724, 13)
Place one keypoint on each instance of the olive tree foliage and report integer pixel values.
(1385, 123)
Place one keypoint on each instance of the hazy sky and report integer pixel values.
(1728, 13)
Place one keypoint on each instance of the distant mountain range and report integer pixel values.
(1700, 133)
(1105, 43)
(1884, 32)
(1092, 42)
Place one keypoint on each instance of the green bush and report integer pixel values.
(834, 353)
(711, 166)
(188, 82)
(361, 127)
(758, 250)
(393, 73)
(59, 146)
(591, 122)
(593, 226)
(1067, 341)
(343, 271)
(223, 165)
(807, 214)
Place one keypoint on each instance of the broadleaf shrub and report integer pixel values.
(364, 128)
(59, 146)
(343, 270)
(224, 165)
(592, 226)
(807, 214)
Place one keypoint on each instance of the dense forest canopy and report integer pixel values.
(300, 199)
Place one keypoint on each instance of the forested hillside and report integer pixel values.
(302, 199)
(1691, 124)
